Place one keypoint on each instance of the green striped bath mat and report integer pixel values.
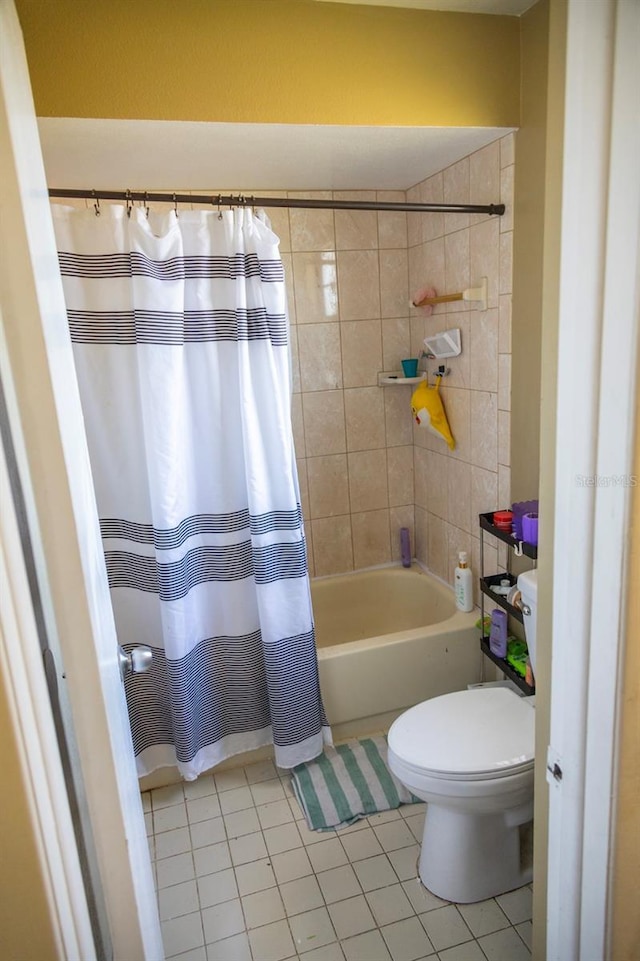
(346, 783)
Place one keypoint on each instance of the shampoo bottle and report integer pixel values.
(463, 583)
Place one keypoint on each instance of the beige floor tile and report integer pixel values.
(255, 876)
(301, 895)
(366, 947)
(261, 908)
(339, 884)
(272, 942)
(291, 865)
(312, 929)
(389, 905)
(351, 917)
(445, 927)
(407, 940)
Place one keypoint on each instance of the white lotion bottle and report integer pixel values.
(463, 584)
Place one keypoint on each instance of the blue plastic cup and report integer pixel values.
(410, 367)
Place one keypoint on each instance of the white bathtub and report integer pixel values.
(387, 639)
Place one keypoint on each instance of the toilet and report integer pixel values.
(470, 756)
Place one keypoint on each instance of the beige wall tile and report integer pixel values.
(368, 480)
(392, 225)
(417, 332)
(364, 415)
(358, 284)
(315, 287)
(398, 417)
(458, 410)
(328, 485)
(456, 258)
(279, 219)
(484, 429)
(507, 150)
(432, 192)
(421, 478)
(394, 283)
(484, 177)
(324, 422)
(459, 495)
(458, 540)
(504, 487)
(395, 342)
(400, 517)
(295, 360)
(312, 229)
(361, 352)
(456, 185)
(400, 475)
(483, 342)
(320, 357)
(504, 382)
(438, 546)
(437, 482)
(356, 229)
(484, 493)
(484, 254)
(414, 220)
(297, 425)
(371, 540)
(506, 197)
(287, 263)
(504, 334)
(506, 262)
(303, 481)
(308, 535)
(427, 269)
(421, 549)
(332, 547)
(504, 438)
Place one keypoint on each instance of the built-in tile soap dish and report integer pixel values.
(396, 378)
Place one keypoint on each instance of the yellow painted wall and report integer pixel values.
(270, 61)
(26, 932)
(528, 235)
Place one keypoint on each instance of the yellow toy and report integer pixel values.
(428, 410)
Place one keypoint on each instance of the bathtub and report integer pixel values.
(387, 639)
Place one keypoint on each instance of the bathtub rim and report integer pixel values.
(455, 622)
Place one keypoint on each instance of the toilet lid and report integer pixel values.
(480, 732)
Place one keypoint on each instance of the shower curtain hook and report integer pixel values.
(96, 205)
(145, 203)
(219, 205)
(129, 204)
(175, 207)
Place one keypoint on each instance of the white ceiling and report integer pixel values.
(512, 8)
(156, 155)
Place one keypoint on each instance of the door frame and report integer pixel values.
(597, 380)
(63, 518)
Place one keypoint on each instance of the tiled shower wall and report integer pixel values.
(365, 471)
(453, 252)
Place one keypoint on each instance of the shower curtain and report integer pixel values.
(180, 336)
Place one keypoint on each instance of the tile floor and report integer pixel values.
(241, 878)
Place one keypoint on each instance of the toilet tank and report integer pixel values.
(528, 586)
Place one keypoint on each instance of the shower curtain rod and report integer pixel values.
(240, 200)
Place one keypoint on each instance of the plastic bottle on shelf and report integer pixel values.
(463, 583)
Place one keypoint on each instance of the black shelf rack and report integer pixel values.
(506, 668)
(500, 600)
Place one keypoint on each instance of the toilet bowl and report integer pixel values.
(470, 756)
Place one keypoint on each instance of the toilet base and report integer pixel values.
(466, 858)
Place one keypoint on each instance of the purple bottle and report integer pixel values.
(405, 546)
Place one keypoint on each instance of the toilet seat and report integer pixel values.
(473, 735)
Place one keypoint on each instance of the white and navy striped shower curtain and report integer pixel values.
(180, 338)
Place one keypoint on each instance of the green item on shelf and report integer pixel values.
(517, 654)
(486, 627)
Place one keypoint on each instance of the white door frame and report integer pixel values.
(597, 364)
(56, 470)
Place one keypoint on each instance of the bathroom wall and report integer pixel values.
(348, 285)
(271, 61)
(365, 471)
(453, 252)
